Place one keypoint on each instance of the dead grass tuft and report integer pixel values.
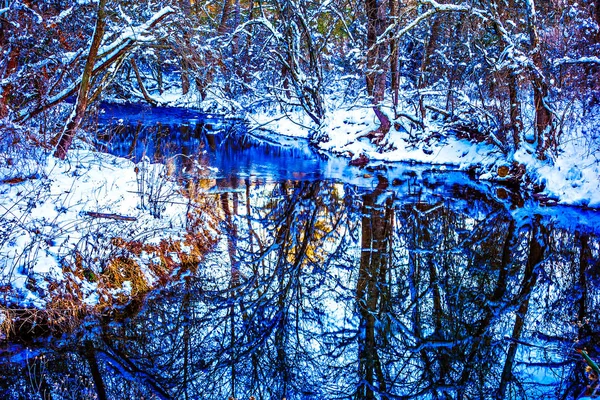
(121, 270)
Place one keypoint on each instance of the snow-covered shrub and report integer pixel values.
(155, 188)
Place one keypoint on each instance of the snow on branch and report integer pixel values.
(107, 55)
(259, 21)
(391, 34)
(571, 61)
(140, 33)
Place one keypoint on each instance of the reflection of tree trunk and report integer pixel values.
(231, 231)
(128, 370)
(185, 310)
(414, 277)
(585, 256)
(284, 241)
(90, 355)
(281, 340)
(438, 315)
(479, 334)
(160, 133)
(536, 254)
(187, 161)
(507, 254)
(371, 289)
(136, 135)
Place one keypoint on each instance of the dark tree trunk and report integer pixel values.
(544, 130)
(225, 16)
(429, 49)
(11, 67)
(394, 67)
(376, 66)
(516, 121)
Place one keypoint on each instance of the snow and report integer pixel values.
(46, 220)
(346, 130)
(569, 178)
(581, 60)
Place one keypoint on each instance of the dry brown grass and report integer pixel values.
(65, 307)
(121, 270)
(59, 316)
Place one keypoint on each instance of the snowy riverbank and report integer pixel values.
(570, 178)
(94, 231)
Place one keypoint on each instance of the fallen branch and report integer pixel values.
(140, 82)
(18, 179)
(110, 216)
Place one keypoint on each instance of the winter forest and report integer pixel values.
(293, 199)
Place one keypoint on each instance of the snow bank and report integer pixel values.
(571, 178)
(71, 211)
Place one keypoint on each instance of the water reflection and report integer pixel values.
(324, 290)
(186, 138)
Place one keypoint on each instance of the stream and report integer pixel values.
(333, 282)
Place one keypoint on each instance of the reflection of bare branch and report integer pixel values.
(129, 371)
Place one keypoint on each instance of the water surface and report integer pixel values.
(331, 282)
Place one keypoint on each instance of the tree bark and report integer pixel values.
(11, 67)
(516, 122)
(376, 65)
(544, 131)
(225, 16)
(394, 67)
(76, 117)
(431, 42)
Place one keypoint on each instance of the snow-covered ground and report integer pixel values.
(570, 178)
(60, 226)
